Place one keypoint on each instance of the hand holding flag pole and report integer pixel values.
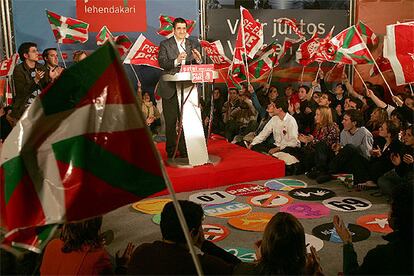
(376, 65)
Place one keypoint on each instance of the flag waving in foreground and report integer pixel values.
(80, 150)
(67, 30)
(399, 49)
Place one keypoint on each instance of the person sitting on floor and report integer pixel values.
(353, 151)
(150, 112)
(80, 251)
(172, 256)
(284, 129)
(282, 250)
(403, 165)
(393, 258)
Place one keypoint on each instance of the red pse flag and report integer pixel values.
(292, 24)
(383, 64)
(399, 49)
(143, 52)
(216, 53)
(7, 66)
(252, 32)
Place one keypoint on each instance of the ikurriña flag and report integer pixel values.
(80, 150)
(166, 26)
(264, 61)
(67, 30)
(122, 42)
(349, 47)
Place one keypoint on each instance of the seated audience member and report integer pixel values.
(150, 112)
(282, 250)
(303, 112)
(29, 79)
(403, 166)
(291, 96)
(50, 57)
(380, 161)
(79, 55)
(353, 152)
(239, 115)
(217, 124)
(316, 151)
(80, 251)
(378, 117)
(171, 255)
(392, 258)
(284, 129)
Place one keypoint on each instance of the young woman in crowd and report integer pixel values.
(317, 146)
(80, 251)
(282, 250)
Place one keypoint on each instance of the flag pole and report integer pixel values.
(61, 55)
(136, 75)
(301, 76)
(376, 65)
(317, 72)
(360, 77)
(411, 88)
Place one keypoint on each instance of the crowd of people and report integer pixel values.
(321, 132)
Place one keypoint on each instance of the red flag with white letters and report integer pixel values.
(216, 53)
(252, 31)
(143, 52)
(7, 66)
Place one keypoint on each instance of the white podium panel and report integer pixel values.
(193, 125)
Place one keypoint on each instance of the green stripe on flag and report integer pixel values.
(79, 25)
(66, 93)
(14, 170)
(348, 38)
(85, 154)
(258, 68)
(362, 28)
(53, 20)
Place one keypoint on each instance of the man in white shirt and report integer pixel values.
(284, 129)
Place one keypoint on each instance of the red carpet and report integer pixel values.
(237, 165)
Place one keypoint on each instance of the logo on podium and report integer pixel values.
(199, 73)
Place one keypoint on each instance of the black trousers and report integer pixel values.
(171, 111)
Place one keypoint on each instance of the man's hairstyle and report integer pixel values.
(281, 102)
(393, 128)
(357, 101)
(355, 116)
(330, 96)
(170, 225)
(46, 53)
(24, 49)
(235, 89)
(378, 90)
(343, 87)
(179, 20)
(304, 87)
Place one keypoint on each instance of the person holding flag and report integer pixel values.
(173, 53)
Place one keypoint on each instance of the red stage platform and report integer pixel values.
(237, 165)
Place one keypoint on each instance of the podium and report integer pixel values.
(191, 122)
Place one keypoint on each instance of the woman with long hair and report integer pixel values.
(80, 251)
(317, 151)
(282, 250)
(378, 117)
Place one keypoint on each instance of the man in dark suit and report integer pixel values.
(174, 52)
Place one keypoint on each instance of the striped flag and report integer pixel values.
(349, 48)
(367, 34)
(399, 49)
(103, 36)
(67, 30)
(264, 61)
(122, 42)
(81, 149)
(166, 26)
